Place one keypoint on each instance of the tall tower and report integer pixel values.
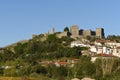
(100, 33)
(53, 30)
(74, 31)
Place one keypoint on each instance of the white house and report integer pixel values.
(117, 44)
(116, 51)
(101, 49)
(93, 49)
(78, 43)
(100, 42)
(112, 44)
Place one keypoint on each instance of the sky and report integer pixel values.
(20, 19)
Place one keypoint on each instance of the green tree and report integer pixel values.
(114, 37)
(66, 29)
(51, 37)
(90, 38)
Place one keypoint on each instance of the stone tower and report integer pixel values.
(74, 31)
(100, 33)
(53, 30)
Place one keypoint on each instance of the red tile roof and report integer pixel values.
(75, 59)
(105, 41)
(62, 63)
(118, 47)
(103, 55)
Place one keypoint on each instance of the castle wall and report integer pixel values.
(87, 33)
(63, 34)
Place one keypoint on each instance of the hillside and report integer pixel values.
(51, 58)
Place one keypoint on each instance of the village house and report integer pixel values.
(116, 51)
(79, 43)
(58, 64)
(102, 56)
(87, 79)
(112, 44)
(105, 46)
(96, 49)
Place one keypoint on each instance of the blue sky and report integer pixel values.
(19, 19)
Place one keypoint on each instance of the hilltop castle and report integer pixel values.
(75, 32)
